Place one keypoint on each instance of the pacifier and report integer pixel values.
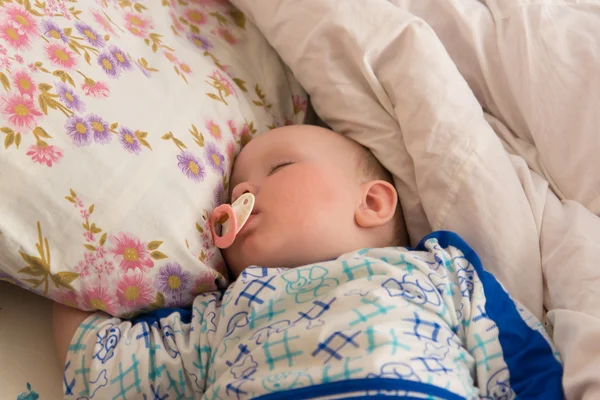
(231, 218)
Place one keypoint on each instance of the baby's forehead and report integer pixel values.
(295, 142)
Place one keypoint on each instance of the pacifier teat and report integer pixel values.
(231, 218)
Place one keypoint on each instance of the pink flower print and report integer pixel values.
(84, 213)
(53, 31)
(120, 58)
(178, 26)
(61, 56)
(108, 266)
(232, 128)
(23, 82)
(63, 10)
(137, 25)
(89, 236)
(83, 269)
(245, 135)
(3, 50)
(129, 141)
(5, 62)
(191, 166)
(214, 130)
(100, 128)
(19, 59)
(185, 68)
(300, 104)
(201, 42)
(23, 19)
(69, 97)
(68, 298)
(32, 67)
(92, 37)
(204, 284)
(215, 159)
(135, 290)
(205, 236)
(14, 35)
(100, 252)
(171, 57)
(44, 154)
(230, 151)
(102, 21)
(97, 298)
(207, 245)
(226, 35)
(104, 268)
(95, 89)
(89, 258)
(196, 17)
(224, 82)
(110, 66)
(20, 110)
(79, 130)
(131, 253)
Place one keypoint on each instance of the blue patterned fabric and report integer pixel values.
(427, 323)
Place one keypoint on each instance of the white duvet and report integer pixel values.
(379, 74)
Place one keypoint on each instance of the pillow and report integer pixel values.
(119, 123)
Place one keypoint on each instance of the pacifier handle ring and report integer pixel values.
(227, 239)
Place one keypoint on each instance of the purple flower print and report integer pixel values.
(201, 42)
(79, 130)
(93, 37)
(100, 128)
(120, 58)
(129, 141)
(172, 280)
(52, 30)
(109, 65)
(69, 97)
(218, 194)
(191, 166)
(215, 159)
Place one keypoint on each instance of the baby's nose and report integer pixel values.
(240, 189)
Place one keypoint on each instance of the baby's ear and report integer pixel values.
(378, 204)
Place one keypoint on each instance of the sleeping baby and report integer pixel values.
(327, 303)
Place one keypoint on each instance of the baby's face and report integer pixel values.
(306, 188)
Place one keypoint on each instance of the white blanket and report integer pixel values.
(380, 75)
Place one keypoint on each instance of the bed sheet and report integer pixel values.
(534, 66)
(28, 367)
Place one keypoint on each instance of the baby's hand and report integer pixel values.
(65, 321)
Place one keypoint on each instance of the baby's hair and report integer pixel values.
(369, 168)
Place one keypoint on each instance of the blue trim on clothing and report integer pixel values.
(534, 371)
(362, 385)
(156, 315)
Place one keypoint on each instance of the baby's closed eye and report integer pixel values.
(278, 166)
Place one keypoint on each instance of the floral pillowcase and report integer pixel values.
(119, 121)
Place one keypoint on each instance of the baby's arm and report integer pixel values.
(65, 321)
(166, 352)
